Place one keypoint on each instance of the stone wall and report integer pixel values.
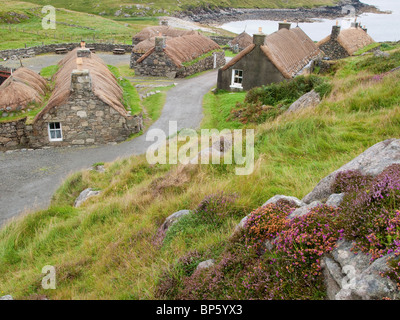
(333, 50)
(222, 41)
(258, 70)
(158, 64)
(20, 53)
(12, 134)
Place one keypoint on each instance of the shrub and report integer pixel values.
(371, 215)
(267, 102)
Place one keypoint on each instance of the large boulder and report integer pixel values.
(299, 212)
(371, 162)
(7, 297)
(85, 194)
(309, 100)
(350, 276)
(280, 197)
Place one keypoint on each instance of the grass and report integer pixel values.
(131, 98)
(155, 103)
(105, 249)
(109, 7)
(48, 72)
(72, 26)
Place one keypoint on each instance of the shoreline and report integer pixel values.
(225, 15)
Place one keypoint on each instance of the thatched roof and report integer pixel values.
(22, 88)
(104, 84)
(167, 31)
(243, 40)
(186, 48)
(289, 50)
(145, 45)
(352, 40)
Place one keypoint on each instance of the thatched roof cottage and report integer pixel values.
(274, 58)
(344, 43)
(22, 89)
(241, 41)
(180, 56)
(85, 107)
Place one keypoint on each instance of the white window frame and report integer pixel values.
(50, 130)
(234, 77)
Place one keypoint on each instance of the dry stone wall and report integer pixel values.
(12, 134)
(21, 53)
(158, 64)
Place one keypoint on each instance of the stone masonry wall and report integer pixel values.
(85, 120)
(12, 134)
(20, 53)
(334, 50)
(158, 64)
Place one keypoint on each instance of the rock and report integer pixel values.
(299, 212)
(8, 297)
(350, 276)
(380, 54)
(85, 194)
(171, 75)
(309, 100)
(372, 162)
(118, 13)
(99, 168)
(335, 200)
(173, 218)
(278, 197)
(205, 264)
(241, 224)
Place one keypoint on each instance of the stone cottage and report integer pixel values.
(344, 43)
(180, 57)
(85, 107)
(281, 55)
(241, 42)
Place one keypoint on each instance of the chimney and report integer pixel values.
(365, 29)
(284, 25)
(84, 53)
(259, 38)
(164, 22)
(160, 43)
(335, 32)
(81, 82)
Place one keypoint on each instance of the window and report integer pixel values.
(237, 78)
(55, 131)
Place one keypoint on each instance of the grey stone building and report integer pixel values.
(344, 43)
(85, 107)
(273, 58)
(179, 57)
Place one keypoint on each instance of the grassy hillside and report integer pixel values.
(109, 7)
(108, 248)
(21, 23)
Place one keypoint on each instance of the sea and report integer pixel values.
(381, 27)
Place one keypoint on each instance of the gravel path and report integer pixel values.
(29, 178)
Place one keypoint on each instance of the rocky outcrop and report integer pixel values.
(309, 100)
(85, 195)
(372, 162)
(350, 276)
(8, 297)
